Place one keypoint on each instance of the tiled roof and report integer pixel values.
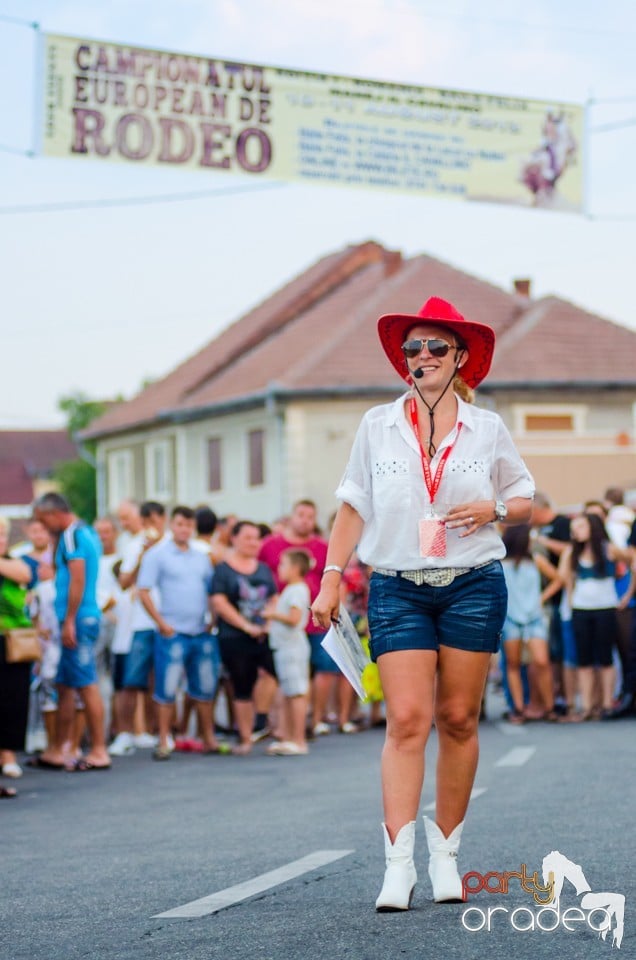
(38, 450)
(26, 455)
(318, 333)
(16, 486)
(556, 342)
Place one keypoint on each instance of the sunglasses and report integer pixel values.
(435, 346)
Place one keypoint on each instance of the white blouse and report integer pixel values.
(384, 483)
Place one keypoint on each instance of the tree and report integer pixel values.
(80, 410)
(77, 479)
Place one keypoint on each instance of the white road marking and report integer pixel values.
(516, 757)
(476, 792)
(241, 891)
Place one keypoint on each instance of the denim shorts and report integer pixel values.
(139, 660)
(534, 630)
(47, 697)
(321, 662)
(570, 657)
(77, 667)
(468, 614)
(195, 656)
(118, 667)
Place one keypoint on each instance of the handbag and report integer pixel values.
(21, 645)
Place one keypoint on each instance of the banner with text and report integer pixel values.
(114, 102)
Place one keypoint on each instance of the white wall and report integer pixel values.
(260, 503)
(319, 438)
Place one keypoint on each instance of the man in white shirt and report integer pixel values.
(108, 591)
(138, 663)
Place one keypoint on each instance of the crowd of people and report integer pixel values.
(186, 632)
(569, 640)
(186, 607)
(192, 632)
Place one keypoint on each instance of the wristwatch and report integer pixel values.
(501, 510)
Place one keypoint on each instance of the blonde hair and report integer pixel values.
(462, 389)
(5, 526)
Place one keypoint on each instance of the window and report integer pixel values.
(214, 464)
(120, 477)
(545, 421)
(550, 418)
(159, 470)
(256, 448)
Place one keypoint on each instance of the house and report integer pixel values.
(27, 461)
(265, 413)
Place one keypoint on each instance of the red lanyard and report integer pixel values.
(432, 482)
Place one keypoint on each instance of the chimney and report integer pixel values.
(522, 287)
(392, 262)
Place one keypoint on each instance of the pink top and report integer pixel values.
(276, 544)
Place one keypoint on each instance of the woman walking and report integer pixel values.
(428, 477)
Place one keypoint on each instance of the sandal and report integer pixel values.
(516, 718)
(577, 717)
(7, 793)
(39, 763)
(13, 770)
(161, 753)
(222, 749)
(82, 765)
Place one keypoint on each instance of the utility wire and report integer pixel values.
(18, 21)
(613, 217)
(136, 201)
(619, 125)
(630, 99)
(19, 151)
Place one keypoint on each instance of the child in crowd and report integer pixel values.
(524, 632)
(287, 617)
(42, 611)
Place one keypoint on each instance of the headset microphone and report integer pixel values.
(417, 375)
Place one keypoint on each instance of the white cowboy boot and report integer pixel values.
(442, 866)
(400, 876)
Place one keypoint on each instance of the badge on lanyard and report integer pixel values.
(432, 537)
(432, 529)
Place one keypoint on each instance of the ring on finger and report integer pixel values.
(471, 519)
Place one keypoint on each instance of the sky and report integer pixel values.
(98, 299)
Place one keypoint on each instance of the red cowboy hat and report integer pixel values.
(478, 338)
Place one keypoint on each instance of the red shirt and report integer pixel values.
(276, 544)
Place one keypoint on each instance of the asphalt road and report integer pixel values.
(88, 860)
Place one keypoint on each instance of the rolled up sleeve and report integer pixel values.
(149, 571)
(355, 486)
(511, 477)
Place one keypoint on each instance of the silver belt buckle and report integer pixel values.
(440, 577)
(434, 578)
